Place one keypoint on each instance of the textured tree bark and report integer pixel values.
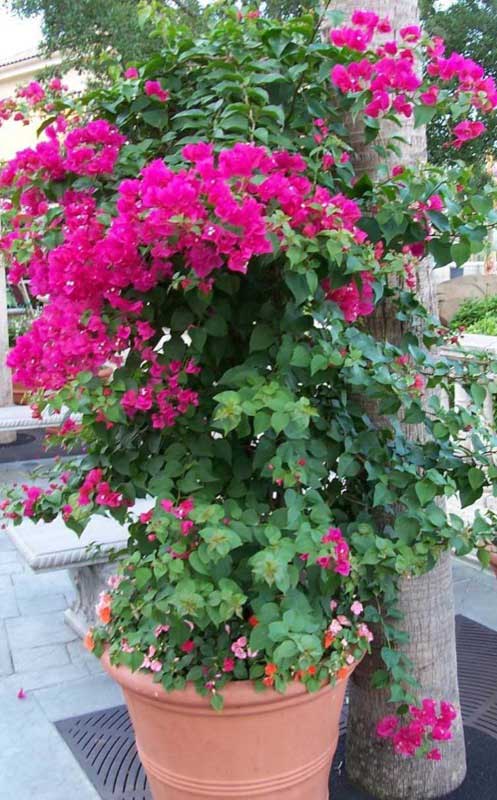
(426, 602)
(427, 605)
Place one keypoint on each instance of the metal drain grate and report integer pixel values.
(104, 745)
(477, 670)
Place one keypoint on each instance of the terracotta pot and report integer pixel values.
(18, 393)
(262, 745)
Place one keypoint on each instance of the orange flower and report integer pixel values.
(312, 670)
(89, 641)
(342, 673)
(328, 639)
(270, 670)
(103, 608)
(268, 681)
(253, 621)
(104, 614)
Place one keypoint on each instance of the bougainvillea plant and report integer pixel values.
(209, 262)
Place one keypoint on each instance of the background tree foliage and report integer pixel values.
(90, 34)
(468, 27)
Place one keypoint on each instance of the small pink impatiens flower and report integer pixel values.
(239, 647)
(357, 608)
(363, 630)
(418, 383)
(228, 665)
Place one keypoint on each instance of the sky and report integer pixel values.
(17, 35)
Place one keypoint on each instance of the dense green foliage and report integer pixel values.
(477, 316)
(91, 35)
(303, 416)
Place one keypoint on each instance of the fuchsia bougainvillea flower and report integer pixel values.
(414, 732)
(211, 280)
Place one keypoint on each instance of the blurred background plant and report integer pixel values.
(477, 316)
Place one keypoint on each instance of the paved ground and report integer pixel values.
(42, 656)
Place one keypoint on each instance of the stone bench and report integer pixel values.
(15, 418)
(88, 558)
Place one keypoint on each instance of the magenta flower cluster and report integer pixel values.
(415, 732)
(336, 558)
(389, 73)
(218, 213)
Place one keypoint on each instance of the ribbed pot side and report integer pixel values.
(262, 745)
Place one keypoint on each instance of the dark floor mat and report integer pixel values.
(103, 741)
(480, 782)
(29, 446)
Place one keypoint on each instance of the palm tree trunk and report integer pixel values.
(426, 602)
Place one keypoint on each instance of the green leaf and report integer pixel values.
(279, 421)
(481, 204)
(439, 220)
(217, 701)
(262, 338)
(287, 649)
(478, 393)
(262, 422)
(425, 490)
(143, 575)
(441, 251)
(156, 118)
(461, 252)
(347, 466)
(483, 556)
(476, 478)
(318, 362)
(390, 657)
(300, 357)
(423, 115)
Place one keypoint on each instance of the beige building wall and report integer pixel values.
(14, 136)
(19, 71)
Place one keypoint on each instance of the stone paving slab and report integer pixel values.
(30, 659)
(60, 676)
(79, 654)
(34, 761)
(11, 568)
(37, 630)
(71, 700)
(475, 593)
(5, 543)
(5, 583)
(40, 605)
(8, 603)
(5, 658)
(8, 556)
(30, 584)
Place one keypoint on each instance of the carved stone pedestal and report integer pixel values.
(89, 582)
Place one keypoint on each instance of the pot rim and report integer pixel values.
(238, 695)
